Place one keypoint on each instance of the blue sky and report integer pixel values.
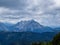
(46, 12)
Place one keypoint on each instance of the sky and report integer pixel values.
(46, 12)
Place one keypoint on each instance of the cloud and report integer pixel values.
(57, 3)
(13, 4)
(45, 12)
(4, 10)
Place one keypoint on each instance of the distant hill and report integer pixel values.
(24, 38)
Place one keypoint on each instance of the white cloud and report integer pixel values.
(42, 11)
(57, 2)
(4, 10)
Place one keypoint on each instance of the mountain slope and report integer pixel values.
(3, 27)
(57, 29)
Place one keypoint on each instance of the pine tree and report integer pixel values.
(56, 40)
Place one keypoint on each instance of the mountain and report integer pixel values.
(8, 24)
(24, 33)
(30, 26)
(57, 29)
(3, 27)
(25, 26)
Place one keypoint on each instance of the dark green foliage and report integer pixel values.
(15, 43)
(56, 40)
(36, 43)
(42, 43)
